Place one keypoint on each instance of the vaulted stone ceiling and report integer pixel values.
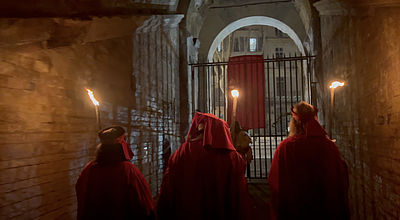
(206, 18)
(72, 8)
(372, 2)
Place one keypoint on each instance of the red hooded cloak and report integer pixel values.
(308, 179)
(205, 178)
(115, 190)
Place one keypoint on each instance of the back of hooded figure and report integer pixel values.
(111, 187)
(205, 176)
(308, 179)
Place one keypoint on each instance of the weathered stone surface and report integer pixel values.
(207, 19)
(362, 49)
(42, 33)
(48, 129)
(83, 8)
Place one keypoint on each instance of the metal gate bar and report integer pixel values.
(288, 80)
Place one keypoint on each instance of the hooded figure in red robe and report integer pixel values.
(205, 176)
(308, 179)
(111, 187)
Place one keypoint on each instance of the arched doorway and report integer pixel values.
(287, 80)
(254, 20)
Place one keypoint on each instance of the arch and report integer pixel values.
(254, 20)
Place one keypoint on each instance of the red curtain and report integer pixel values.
(246, 73)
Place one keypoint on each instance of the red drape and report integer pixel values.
(246, 73)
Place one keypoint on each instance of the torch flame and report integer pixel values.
(90, 93)
(235, 93)
(336, 84)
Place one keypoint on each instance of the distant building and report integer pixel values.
(256, 40)
(271, 43)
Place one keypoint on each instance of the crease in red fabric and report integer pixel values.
(246, 73)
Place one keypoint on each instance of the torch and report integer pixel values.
(235, 95)
(96, 106)
(333, 86)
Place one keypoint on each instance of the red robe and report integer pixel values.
(308, 179)
(117, 191)
(205, 178)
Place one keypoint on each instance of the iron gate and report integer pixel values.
(288, 80)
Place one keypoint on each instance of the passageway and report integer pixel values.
(152, 64)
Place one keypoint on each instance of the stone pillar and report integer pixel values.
(331, 12)
(156, 72)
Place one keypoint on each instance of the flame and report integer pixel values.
(235, 93)
(90, 93)
(336, 84)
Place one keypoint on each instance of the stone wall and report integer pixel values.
(48, 124)
(360, 46)
(157, 99)
(83, 8)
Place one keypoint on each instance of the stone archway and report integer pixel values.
(254, 20)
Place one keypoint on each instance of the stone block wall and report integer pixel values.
(157, 99)
(48, 124)
(360, 46)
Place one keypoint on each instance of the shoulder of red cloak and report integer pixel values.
(179, 156)
(136, 177)
(282, 148)
(132, 169)
(288, 139)
(178, 153)
(86, 169)
(334, 150)
(88, 165)
(285, 142)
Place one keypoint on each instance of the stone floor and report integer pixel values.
(259, 193)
